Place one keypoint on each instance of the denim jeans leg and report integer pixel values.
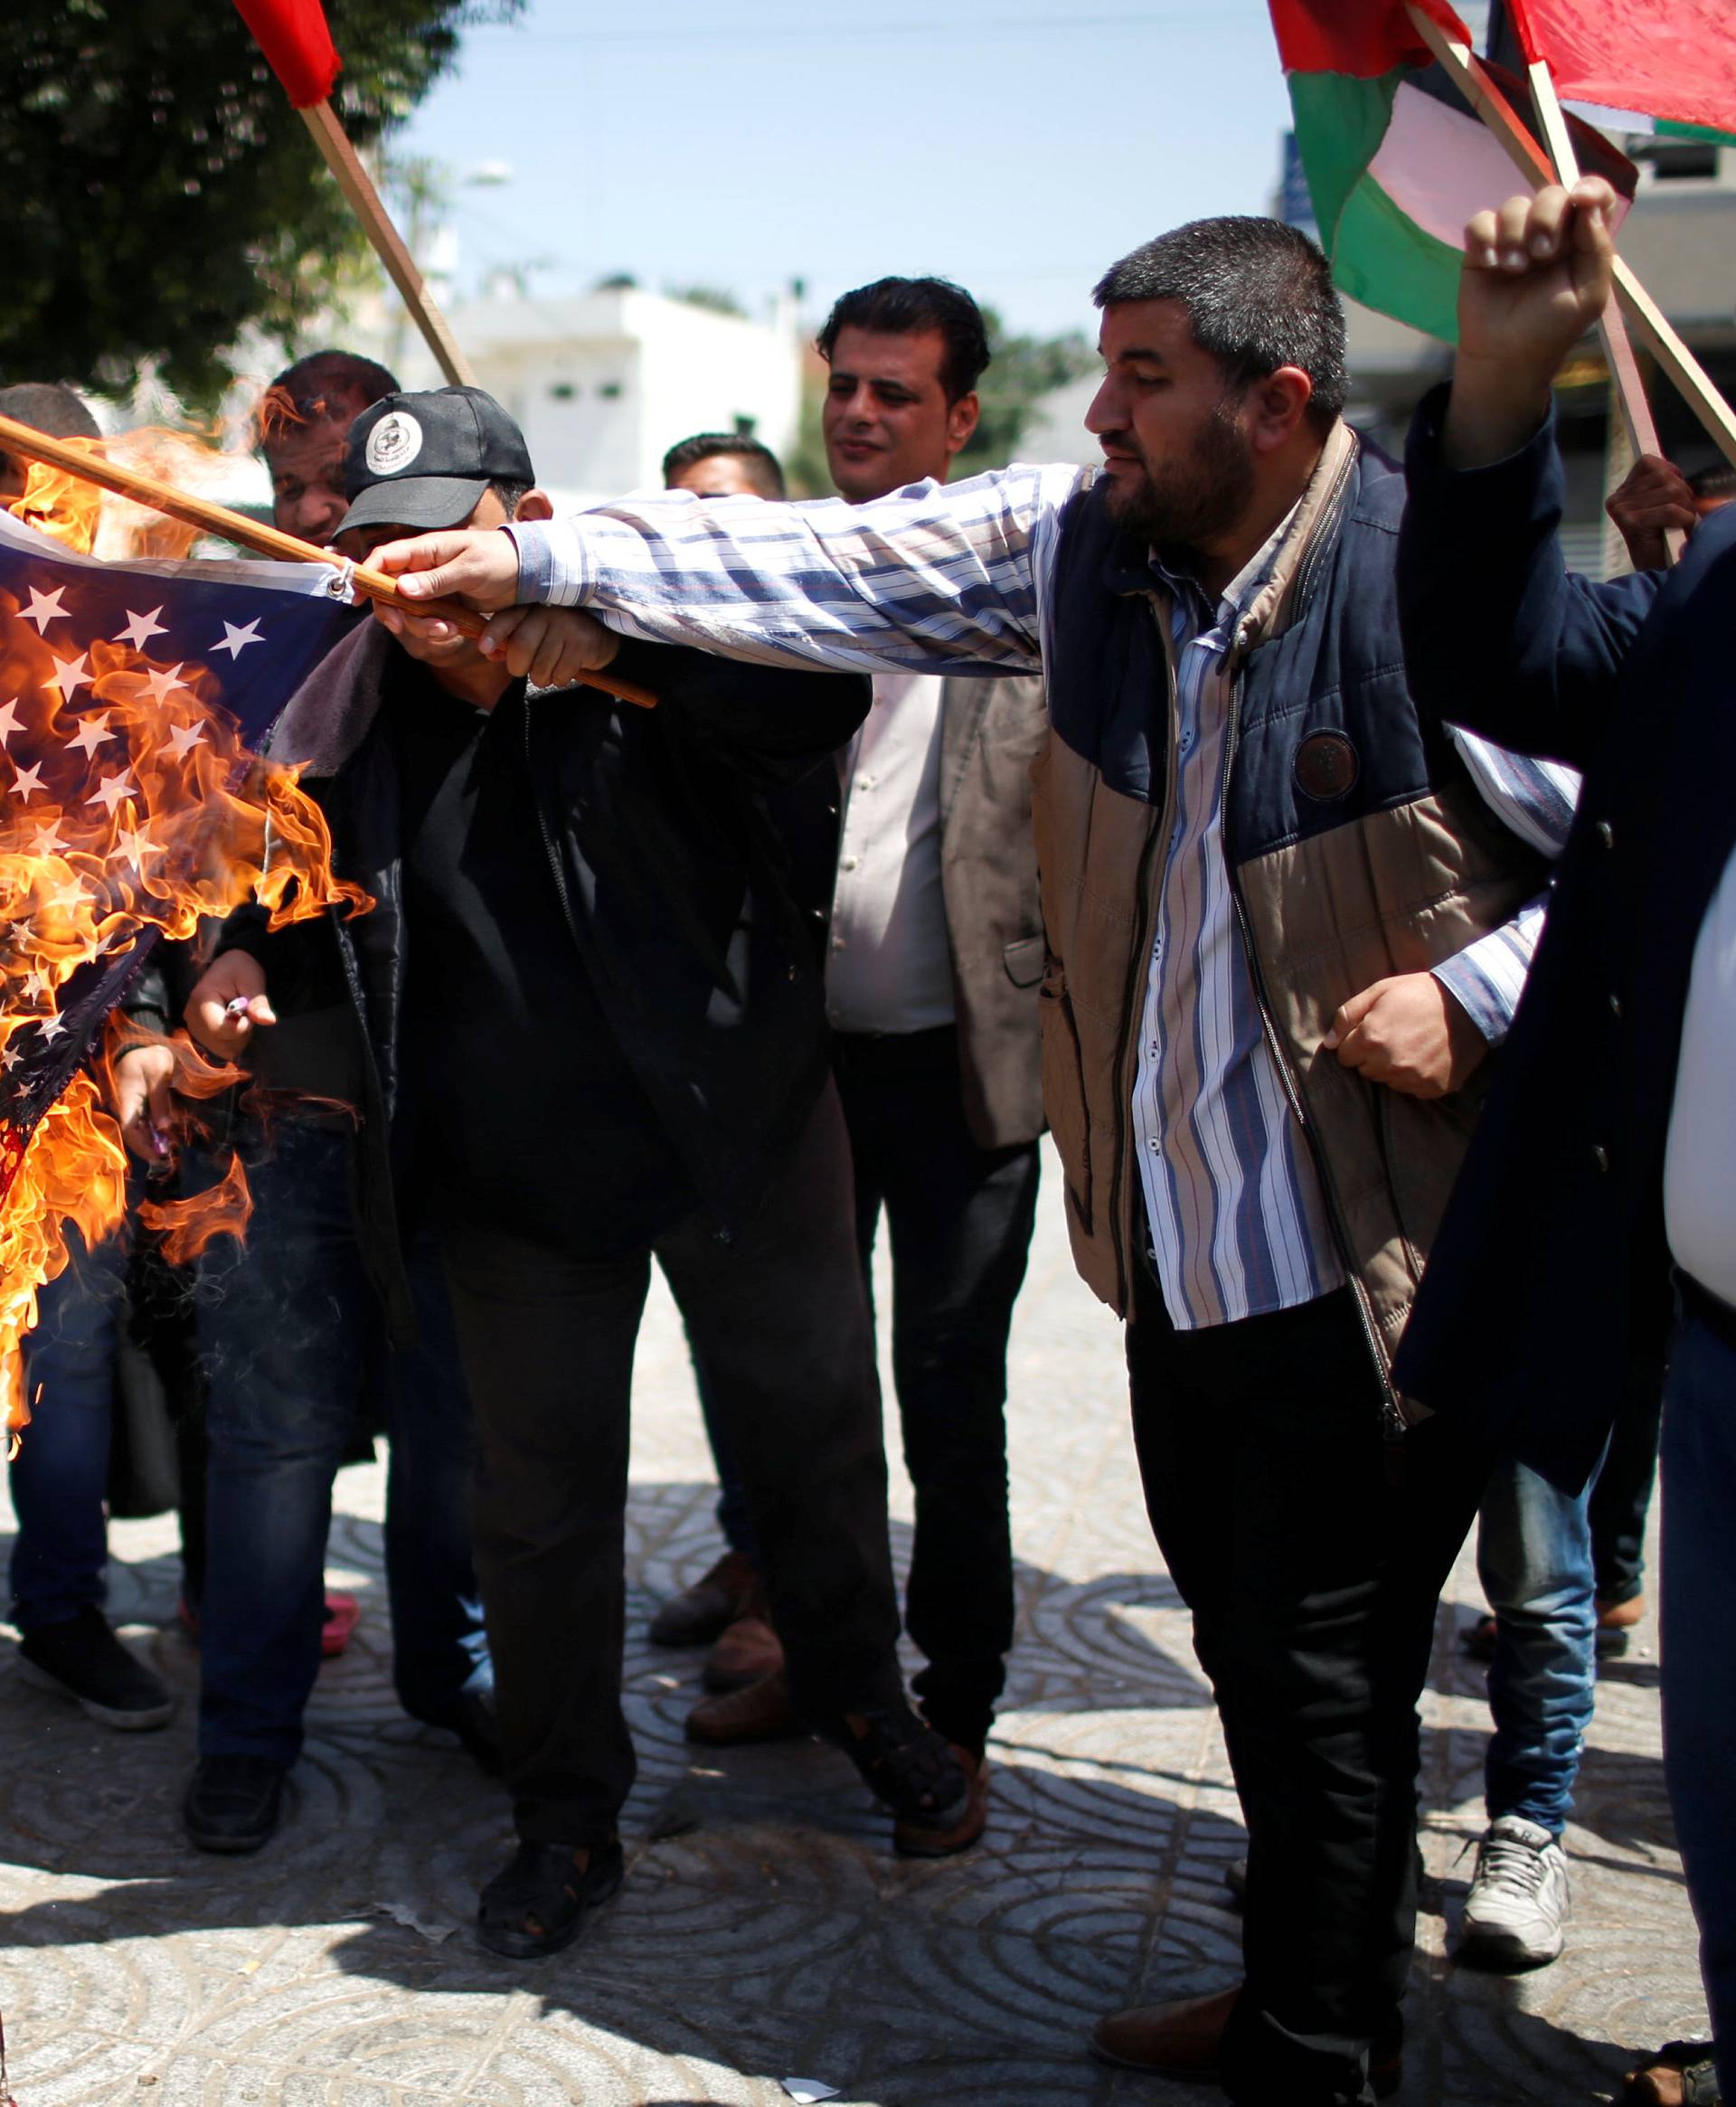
(1622, 1493)
(60, 1473)
(281, 1325)
(1533, 1555)
(1699, 1649)
(438, 1647)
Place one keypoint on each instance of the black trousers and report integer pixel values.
(547, 1339)
(959, 1218)
(1313, 1566)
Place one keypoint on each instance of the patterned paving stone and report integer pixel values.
(764, 1930)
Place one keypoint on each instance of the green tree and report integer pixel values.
(714, 299)
(1022, 368)
(160, 193)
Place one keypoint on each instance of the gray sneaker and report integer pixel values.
(1516, 1915)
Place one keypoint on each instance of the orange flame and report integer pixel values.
(57, 503)
(131, 529)
(155, 817)
(189, 1225)
(119, 529)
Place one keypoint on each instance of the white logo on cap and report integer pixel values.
(394, 444)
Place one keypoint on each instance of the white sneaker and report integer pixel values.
(1516, 1915)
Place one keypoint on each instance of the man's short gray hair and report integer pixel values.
(1258, 295)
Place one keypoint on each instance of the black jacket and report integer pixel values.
(671, 882)
(1551, 1268)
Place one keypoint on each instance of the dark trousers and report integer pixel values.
(1699, 1559)
(60, 1473)
(1311, 1565)
(291, 1331)
(959, 1218)
(1621, 1494)
(778, 1317)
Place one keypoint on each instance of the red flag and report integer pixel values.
(295, 39)
(1365, 38)
(1672, 59)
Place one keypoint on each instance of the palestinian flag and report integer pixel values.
(1674, 59)
(1396, 160)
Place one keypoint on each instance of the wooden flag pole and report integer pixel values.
(1624, 367)
(210, 518)
(1473, 79)
(1617, 345)
(357, 185)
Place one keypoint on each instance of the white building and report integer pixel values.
(602, 387)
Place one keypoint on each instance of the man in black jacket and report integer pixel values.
(584, 1019)
(1608, 1147)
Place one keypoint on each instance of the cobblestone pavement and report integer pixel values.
(764, 1930)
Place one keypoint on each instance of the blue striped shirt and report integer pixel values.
(957, 578)
(1233, 1204)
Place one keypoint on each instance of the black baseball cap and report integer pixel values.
(425, 460)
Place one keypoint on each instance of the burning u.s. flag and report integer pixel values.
(130, 697)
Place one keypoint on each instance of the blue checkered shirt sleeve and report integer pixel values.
(935, 578)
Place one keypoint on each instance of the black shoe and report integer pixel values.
(905, 1763)
(233, 1803)
(82, 1659)
(544, 1885)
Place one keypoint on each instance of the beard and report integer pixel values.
(1183, 506)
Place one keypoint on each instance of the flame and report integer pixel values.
(74, 1169)
(159, 818)
(119, 529)
(189, 1225)
(277, 413)
(187, 462)
(57, 503)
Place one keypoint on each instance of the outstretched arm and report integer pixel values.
(946, 579)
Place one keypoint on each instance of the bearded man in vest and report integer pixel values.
(1287, 919)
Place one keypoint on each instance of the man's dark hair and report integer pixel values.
(511, 495)
(764, 470)
(323, 387)
(1258, 295)
(909, 306)
(46, 406)
(1718, 481)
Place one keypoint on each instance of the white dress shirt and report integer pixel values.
(1700, 1157)
(888, 966)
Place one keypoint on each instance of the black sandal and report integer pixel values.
(1690, 2061)
(544, 1885)
(905, 1764)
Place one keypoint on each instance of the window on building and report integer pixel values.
(1680, 160)
(745, 427)
(563, 391)
(609, 390)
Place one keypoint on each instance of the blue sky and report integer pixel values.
(1018, 146)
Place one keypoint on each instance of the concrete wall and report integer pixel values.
(603, 386)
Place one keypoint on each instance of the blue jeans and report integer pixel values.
(59, 1475)
(1534, 1556)
(291, 1333)
(1699, 1645)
